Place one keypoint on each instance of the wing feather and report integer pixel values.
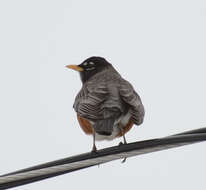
(89, 100)
(129, 96)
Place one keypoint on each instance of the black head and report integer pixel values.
(90, 67)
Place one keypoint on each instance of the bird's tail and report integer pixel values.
(104, 127)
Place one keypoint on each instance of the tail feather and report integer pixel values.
(104, 127)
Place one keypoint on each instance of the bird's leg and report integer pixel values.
(94, 148)
(122, 134)
(125, 142)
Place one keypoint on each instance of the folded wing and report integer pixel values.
(129, 96)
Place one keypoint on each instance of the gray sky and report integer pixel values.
(159, 46)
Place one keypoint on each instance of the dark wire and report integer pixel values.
(141, 147)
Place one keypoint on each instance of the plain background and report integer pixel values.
(159, 46)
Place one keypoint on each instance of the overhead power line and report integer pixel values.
(59, 167)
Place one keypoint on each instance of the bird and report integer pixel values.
(107, 106)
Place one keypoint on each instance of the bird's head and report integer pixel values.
(90, 67)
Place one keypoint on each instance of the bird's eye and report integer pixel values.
(91, 63)
(85, 64)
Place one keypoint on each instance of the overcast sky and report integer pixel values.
(159, 46)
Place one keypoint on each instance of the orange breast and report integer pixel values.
(85, 125)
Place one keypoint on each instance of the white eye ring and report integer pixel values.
(91, 68)
(91, 63)
(85, 64)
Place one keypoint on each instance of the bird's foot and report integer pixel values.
(124, 160)
(94, 149)
(121, 144)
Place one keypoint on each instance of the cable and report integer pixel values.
(86, 160)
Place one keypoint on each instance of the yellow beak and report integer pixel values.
(75, 67)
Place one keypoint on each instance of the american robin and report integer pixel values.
(107, 106)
